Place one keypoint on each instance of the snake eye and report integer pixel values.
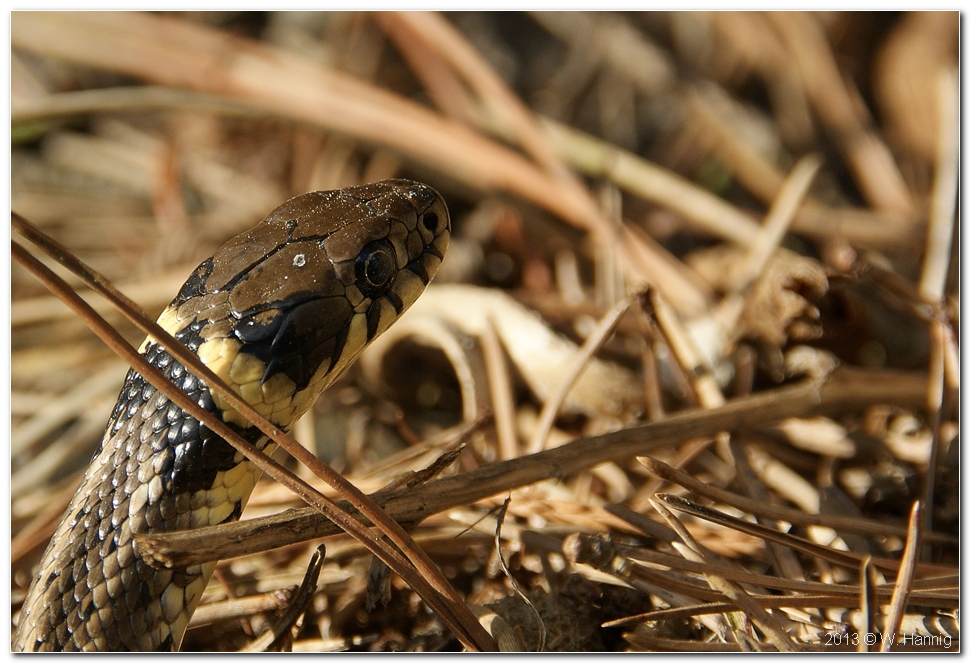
(375, 267)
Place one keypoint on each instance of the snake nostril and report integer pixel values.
(430, 221)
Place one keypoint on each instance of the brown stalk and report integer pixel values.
(675, 613)
(934, 271)
(852, 524)
(280, 631)
(236, 608)
(599, 552)
(832, 99)
(692, 363)
(441, 444)
(905, 581)
(541, 626)
(413, 478)
(869, 604)
(769, 623)
(937, 329)
(632, 173)
(590, 346)
(845, 558)
(653, 406)
(779, 217)
(670, 577)
(944, 194)
(785, 561)
(399, 563)
(437, 77)
(763, 179)
(774, 227)
(765, 601)
(927, 591)
(844, 390)
(500, 393)
(695, 369)
(125, 99)
(689, 295)
(687, 588)
(452, 47)
(647, 260)
(178, 54)
(678, 568)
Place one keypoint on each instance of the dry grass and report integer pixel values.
(763, 455)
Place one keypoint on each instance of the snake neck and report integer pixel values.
(158, 469)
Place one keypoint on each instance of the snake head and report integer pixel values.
(280, 310)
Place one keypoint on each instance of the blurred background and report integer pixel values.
(584, 157)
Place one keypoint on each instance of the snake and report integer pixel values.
(278, 313)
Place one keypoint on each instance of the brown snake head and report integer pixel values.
(277, 312)
(280, 310)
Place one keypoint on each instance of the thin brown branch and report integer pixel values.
(905, 581)
(757, 508)
(845, 558)
(869, 605)
(769, 623)
(280, 630)
(845, 390)
(592, 344)
(500, 518)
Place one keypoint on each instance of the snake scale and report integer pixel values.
(278, 312)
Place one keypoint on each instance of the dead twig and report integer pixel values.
(844, 390)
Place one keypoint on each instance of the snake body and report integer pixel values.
(277, 312)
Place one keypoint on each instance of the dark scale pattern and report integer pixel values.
(299, 340)
(179, 457)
